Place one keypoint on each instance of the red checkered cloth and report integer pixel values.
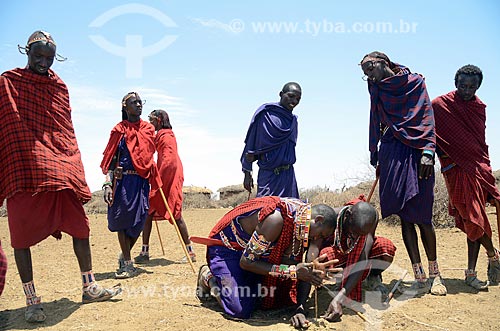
(401, 102)
(467, 201)
(172, 177)
(139, 137)
(38, 148)
(460, 132)
(285, 293)
(381, 247)
(3, 268)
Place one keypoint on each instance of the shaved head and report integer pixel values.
(291, 86)
(364, 217)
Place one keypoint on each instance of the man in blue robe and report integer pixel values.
(271, 140)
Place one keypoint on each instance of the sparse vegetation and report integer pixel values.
(199, 198)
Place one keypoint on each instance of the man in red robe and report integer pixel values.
(460, 135)
(42, 178)
(172, 176)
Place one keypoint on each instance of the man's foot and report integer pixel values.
(472, 280)
(128, 271)
(494, 268)
(202, 289)
(141, 259)
(34, 314)
(97, 293)
(438, 287)
(192, 255)
(374, 283)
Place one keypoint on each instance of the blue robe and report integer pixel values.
(271, 138)
(131, 200)
(401, 192)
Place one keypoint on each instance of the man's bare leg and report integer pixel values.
(34, 311)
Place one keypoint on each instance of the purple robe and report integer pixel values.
(271, 138)
(239, 288)
(131, 200)
(401, 192)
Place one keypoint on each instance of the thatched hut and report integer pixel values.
(232, 190)
(194, 190)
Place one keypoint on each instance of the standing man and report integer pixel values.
(271, 140)
(465, 163)
(402, 120)
(128, 164)
(42, 172)
(172, 177)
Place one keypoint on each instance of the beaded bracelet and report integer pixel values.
(106, 184)
(284, 271)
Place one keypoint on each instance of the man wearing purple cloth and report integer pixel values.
(402, 120)
(271, 140)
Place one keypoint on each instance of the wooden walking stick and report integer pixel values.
(177, 230)
(159, 236)
(497, 205)
(372, 189)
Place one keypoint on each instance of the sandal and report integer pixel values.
(97, 293)
(472, 280)
(34, 314)
(494, 268)
(438, 287)
(374, 283)
(128, 271)
(192, 255)
(141, 259)
(203, 289)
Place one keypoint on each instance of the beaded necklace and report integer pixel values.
(301, 228)
(339, 232)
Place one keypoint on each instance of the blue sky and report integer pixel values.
(210, 64)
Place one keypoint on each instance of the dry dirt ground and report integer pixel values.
(162, 296)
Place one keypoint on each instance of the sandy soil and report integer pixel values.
(162, 296)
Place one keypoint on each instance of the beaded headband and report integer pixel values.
(40, 36)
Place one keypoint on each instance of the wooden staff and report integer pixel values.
(159, 236)
(177, 230)
(391, 294)
(372, 189)
(497, 205)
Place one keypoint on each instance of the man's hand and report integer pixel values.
(108, 195)
(299, 320)
(325, 266)
(248, 181)
(334, 311)
(315, 272)
(426, 167)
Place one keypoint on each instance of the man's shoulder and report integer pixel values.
(12, 73)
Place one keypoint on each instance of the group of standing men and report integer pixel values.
(44, 182)
(275, 243)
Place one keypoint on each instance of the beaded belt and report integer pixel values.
(130, 172)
